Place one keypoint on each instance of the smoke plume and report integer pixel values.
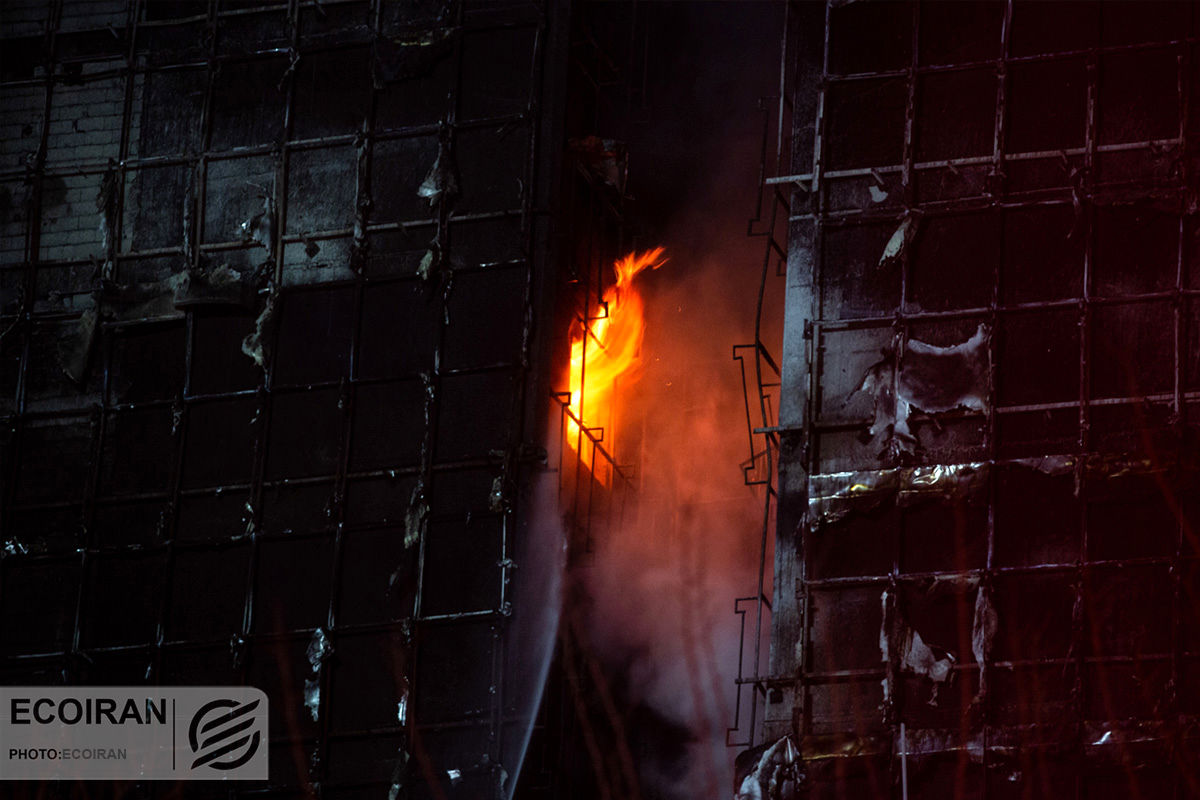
(658, 593)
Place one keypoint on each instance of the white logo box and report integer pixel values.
(133, 733)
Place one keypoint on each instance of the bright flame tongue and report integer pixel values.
(613, 348)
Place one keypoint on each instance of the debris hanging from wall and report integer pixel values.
(441, 182)
(914, 376)
(835, 495)
(776, 775)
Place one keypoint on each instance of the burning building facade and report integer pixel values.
(289, 298)
(986, 568)
(271, 281)
(297, 302)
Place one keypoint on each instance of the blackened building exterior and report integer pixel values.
(986, 572)
(274, 298)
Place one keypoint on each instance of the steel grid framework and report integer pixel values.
(340, 523)
(1029, 168)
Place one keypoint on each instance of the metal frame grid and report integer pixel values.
(582, 741)
(765, 398)
(1090, 687)
(137, 498)
(580, 713)
(593, 482)
(595, 471)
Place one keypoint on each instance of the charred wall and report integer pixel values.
(270, 278)
(987, 565)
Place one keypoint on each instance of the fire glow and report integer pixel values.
(608, 349)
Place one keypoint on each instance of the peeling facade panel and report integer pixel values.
(269, 278)
(986, 557)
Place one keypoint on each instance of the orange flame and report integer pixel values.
(609, 349)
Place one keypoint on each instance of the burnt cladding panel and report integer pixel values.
(1000, 441)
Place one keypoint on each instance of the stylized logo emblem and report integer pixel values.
(222, 734)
